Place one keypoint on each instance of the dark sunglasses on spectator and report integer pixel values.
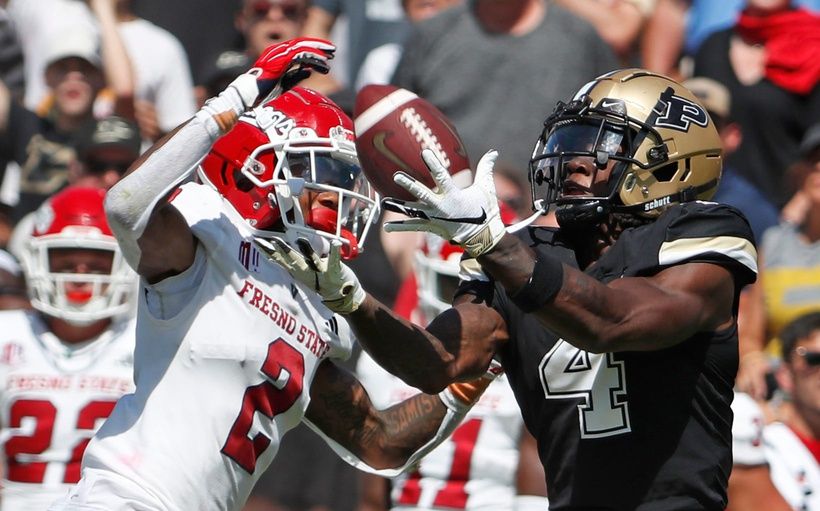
(101, 166)
(291, 9)
(812, 358)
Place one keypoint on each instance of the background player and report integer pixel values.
(64, 364)
(490, 461)
(231, 352)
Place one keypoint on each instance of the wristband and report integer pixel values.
(530, 503)
(546, 280)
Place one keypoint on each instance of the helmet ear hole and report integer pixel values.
(666, 173)
(243, 184)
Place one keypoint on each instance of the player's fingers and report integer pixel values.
(288, 257)
(416, 188)
(437, 170)
(484, 170)
(412, 225)
(408, 209)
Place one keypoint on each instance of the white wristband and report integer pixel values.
(530, 503)
(453, 403)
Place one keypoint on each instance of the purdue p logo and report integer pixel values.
(678, 113)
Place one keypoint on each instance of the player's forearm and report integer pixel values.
(627, 314)
(407, 351)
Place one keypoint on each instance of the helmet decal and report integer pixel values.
(679, 112)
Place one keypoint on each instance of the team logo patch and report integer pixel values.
(11, 354)
(249, 256)
(679, 113)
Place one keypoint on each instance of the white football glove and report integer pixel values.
(334, 281)
(469, 217)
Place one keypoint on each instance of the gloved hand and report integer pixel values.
(466, 394)
(469, 217)
(334, 281)
(281, 66)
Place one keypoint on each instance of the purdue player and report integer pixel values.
(64, 364)
(231, 351)
(618, 330)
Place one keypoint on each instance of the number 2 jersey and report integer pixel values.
(475, 468)
(53, 396)
(647, 430)
(218, 382)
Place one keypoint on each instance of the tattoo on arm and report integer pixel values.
(341, 408)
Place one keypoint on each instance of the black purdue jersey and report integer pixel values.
(634, 430)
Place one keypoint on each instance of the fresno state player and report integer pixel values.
(64, 364)
(490, 461)
(231, 350)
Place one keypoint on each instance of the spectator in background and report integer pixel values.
(677, 28)
(789, 281)
(380, 63)
(79, 335)
(39, 23)
(43, 145)
(164, 96)
(103, 151)
(12, 284)
(488, 65)
(734, 189)
(769, 63)
(11, 56)
(793, 442)
(369, 24)
(260, 23)
(618, 22)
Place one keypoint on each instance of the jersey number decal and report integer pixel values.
(21, 450)
(598, 379)
(453, 494)
(285, 368)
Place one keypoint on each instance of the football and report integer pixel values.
(393, 125)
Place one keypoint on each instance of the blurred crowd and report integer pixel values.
(86, 86)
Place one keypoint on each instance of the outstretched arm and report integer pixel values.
(631, 313)
(154, 237)
(458, 345)
(387, 441)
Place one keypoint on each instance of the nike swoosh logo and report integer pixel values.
(378, 143)
(480, 219)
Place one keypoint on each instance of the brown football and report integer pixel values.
(393, 125)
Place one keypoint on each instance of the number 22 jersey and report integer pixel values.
(53, 396)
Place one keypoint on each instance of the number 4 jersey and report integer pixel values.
(634, 430)
(53, 397)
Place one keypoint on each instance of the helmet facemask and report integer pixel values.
(323, 167)
(106, 292)
(607, 137)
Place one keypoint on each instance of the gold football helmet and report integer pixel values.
(664, 147)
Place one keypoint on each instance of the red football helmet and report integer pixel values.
(74, 219)
(300, 141)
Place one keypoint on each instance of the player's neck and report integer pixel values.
(73, 334)
(515, 17)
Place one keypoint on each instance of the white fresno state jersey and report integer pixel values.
(794, 470)
(53, 397)
(219, 382)
(747, 431)
(475, 468)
